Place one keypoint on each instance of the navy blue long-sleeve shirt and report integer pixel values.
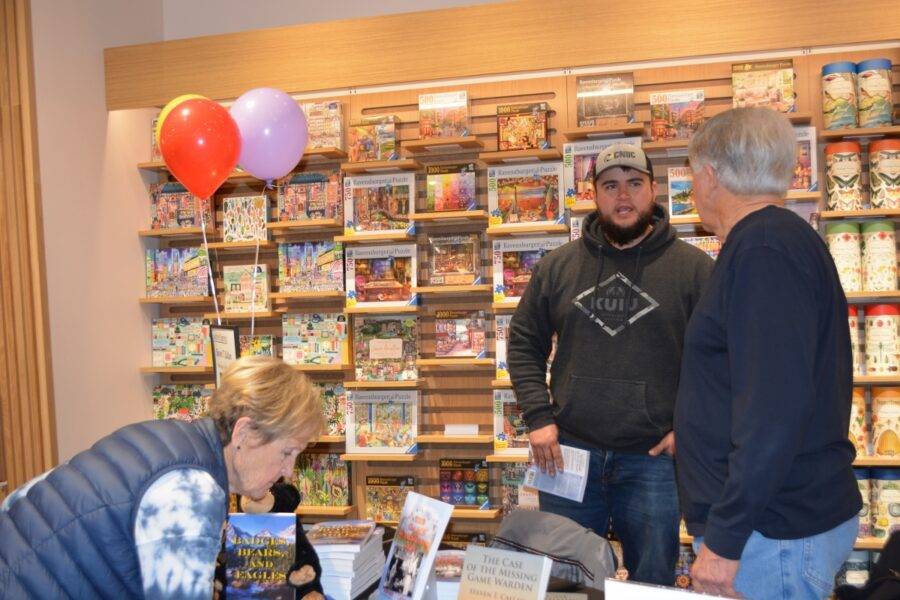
(763, 407)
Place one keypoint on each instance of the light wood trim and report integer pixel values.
(799, 118)
(378, 457)
(243, 316)
(685, 220)
(603, 131)
(451, 290)
(241, 246)
(476, 40)
(507, 458)
(833, 134)
(546, 228)
(450, 215)
(175, 232)
(506, 305)
(380, 310)
(520, 156)
(27, 420)
(324, 511)
(331, 439)
(876, 380)
(176, 300)
(285, 227)
(383, 385)
(436, 145)
(877, 461)
(797, 196)
(380, 166)
(869, 543)
(475, 514)
(285, 296)
(321, 368)
(325, 152)
(860, 296)
(440, 438)
(374, 238)
(859, 214)
(455, 363)
(583, 207)
(500, 384)
(665, 144)
(177, 370)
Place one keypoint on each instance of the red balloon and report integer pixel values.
(200, 144)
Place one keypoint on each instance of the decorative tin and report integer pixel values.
(886, 421)
(879, 256)
(853, 322)
(873, 92)
(865, 513)
(843, 171)
(885, 502)
(839, 95)
(884, 173)
(859, 434)
(882, 353)
(844, 244)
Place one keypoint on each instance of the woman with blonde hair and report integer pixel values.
(140, 513)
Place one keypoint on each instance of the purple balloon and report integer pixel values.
(273, 132)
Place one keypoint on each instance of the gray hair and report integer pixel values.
(752, 150)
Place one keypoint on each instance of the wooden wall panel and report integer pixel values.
(27, 425)
(489, 39)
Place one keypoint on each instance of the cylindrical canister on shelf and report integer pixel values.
(884, 173)
(886, 421)
(839, 95)
(845, 245)
(853, 322)
(882, 352)
(873, 92)
(859, 435)
(843, 171)
(885, 502)
(879, 256)
(855, 571)
(865, 513)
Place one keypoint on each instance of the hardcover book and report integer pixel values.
(385, 497)
(314, 339)
(324, 122)
(460, 333)
(525, 195)
(806, 169)
(185, 402)
(246, 288)
(681, 192)
(180, 342)
(510, 432)
(259, 552)
(505, 574)
(522, 126)
(579, 159)
(257, 345)
(315, 266)
(172, 207)
(382, 422)
(385, 348)
(501, 336)
(244, 218)
(454, 259)
(373, 138)
(311, 195)
(461, 541)
(176, 272)
(322, 479)
(444, 114)
(605, 99)
(450, 187)
(766, 83)
(379, 203)
(675, 115)
(381, 275)
(334, 407)
(465, 482)
(410, 561)
(514, 261)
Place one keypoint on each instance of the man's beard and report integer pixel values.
(624, 235)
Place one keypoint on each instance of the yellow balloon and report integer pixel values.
(169, 108)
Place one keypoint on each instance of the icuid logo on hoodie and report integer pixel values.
(605, 303)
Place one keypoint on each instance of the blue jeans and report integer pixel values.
(797, 569)
(637, 493)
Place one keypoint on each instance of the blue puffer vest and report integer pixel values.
(72, 534)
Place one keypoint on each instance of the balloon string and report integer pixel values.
(212, 282)
(269, 184)
(253, 291)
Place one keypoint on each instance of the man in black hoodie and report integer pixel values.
(618, 300)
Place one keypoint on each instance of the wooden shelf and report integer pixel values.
(799, 118)
(450, 215)
(798, 196)
(860, 214)
(520, 156)
(383, 385)
(331, 439)
(862, 297)
(321, 368)
(324, 511)
(178, 370)
(176, 300)
(378, 457)
(831, 134)
(440, 438)
(375, 237)
(501, 384)
(507, 458)
(175, 232)
(547, 228)
(666, 144)
(583, 206)
(685, 220)
(305, 226)
(243, 316)
(158, 166)
(877, 461)
(505, 305)
(380, 310)
(241, 246)
(869, 543)
(876, 380)
(326, 295)
(603, 131)
(326, 152)
(453, 290)
(380, 166)
(442, 144)
(475, 514)
(455, 363)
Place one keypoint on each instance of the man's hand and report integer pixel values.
(545, 449)
(713, 574)
(667, 445)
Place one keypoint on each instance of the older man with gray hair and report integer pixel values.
(765, 473)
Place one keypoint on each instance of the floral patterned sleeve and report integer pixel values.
(178, 534)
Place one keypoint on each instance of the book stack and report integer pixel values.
(351, 556)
